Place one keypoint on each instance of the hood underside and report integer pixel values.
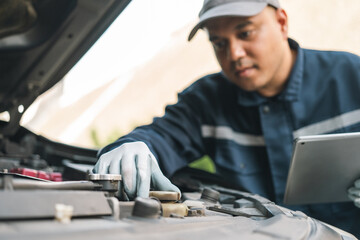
(40, 41)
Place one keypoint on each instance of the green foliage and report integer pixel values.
(205, 163)
(113, 136)
(94, 138)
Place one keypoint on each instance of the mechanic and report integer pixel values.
(270, 91)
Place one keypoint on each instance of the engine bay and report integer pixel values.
(47, 190)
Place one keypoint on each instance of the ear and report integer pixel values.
(282, 19)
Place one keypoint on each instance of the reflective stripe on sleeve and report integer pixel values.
(226, 133)
(329, 125)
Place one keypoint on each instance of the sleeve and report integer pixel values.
(175, 139)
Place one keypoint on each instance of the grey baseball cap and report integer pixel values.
(236, 8)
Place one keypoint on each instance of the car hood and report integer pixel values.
(40, 41)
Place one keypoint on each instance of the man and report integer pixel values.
(245, 118)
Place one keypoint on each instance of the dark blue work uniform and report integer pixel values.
(250, 137)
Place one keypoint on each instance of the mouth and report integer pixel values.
(244, 72)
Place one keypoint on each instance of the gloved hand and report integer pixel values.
(137, 165)
(354, 193)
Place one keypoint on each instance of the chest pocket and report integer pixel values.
(244, 160)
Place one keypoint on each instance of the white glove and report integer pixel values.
(354, 193)
(137, 165)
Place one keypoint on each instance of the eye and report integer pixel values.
(245, 34)
(218, 45)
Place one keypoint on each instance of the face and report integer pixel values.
(253, 52)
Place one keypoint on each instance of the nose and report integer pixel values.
(235, 50)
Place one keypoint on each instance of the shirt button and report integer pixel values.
(266, 109)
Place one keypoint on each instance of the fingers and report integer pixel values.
(357, 202)
(115, 165)
(357, 183)
(159, 181)
(108, 163)
(354, 193)
(100, 167)
(96, 168)
(128, 172)
(143, 175)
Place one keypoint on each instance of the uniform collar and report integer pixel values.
(292, 89)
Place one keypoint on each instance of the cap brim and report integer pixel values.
(237, 9)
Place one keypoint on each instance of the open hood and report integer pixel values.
(40, 41)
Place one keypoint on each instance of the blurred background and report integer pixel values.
(144, 59)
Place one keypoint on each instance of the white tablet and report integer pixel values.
(322, 168)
